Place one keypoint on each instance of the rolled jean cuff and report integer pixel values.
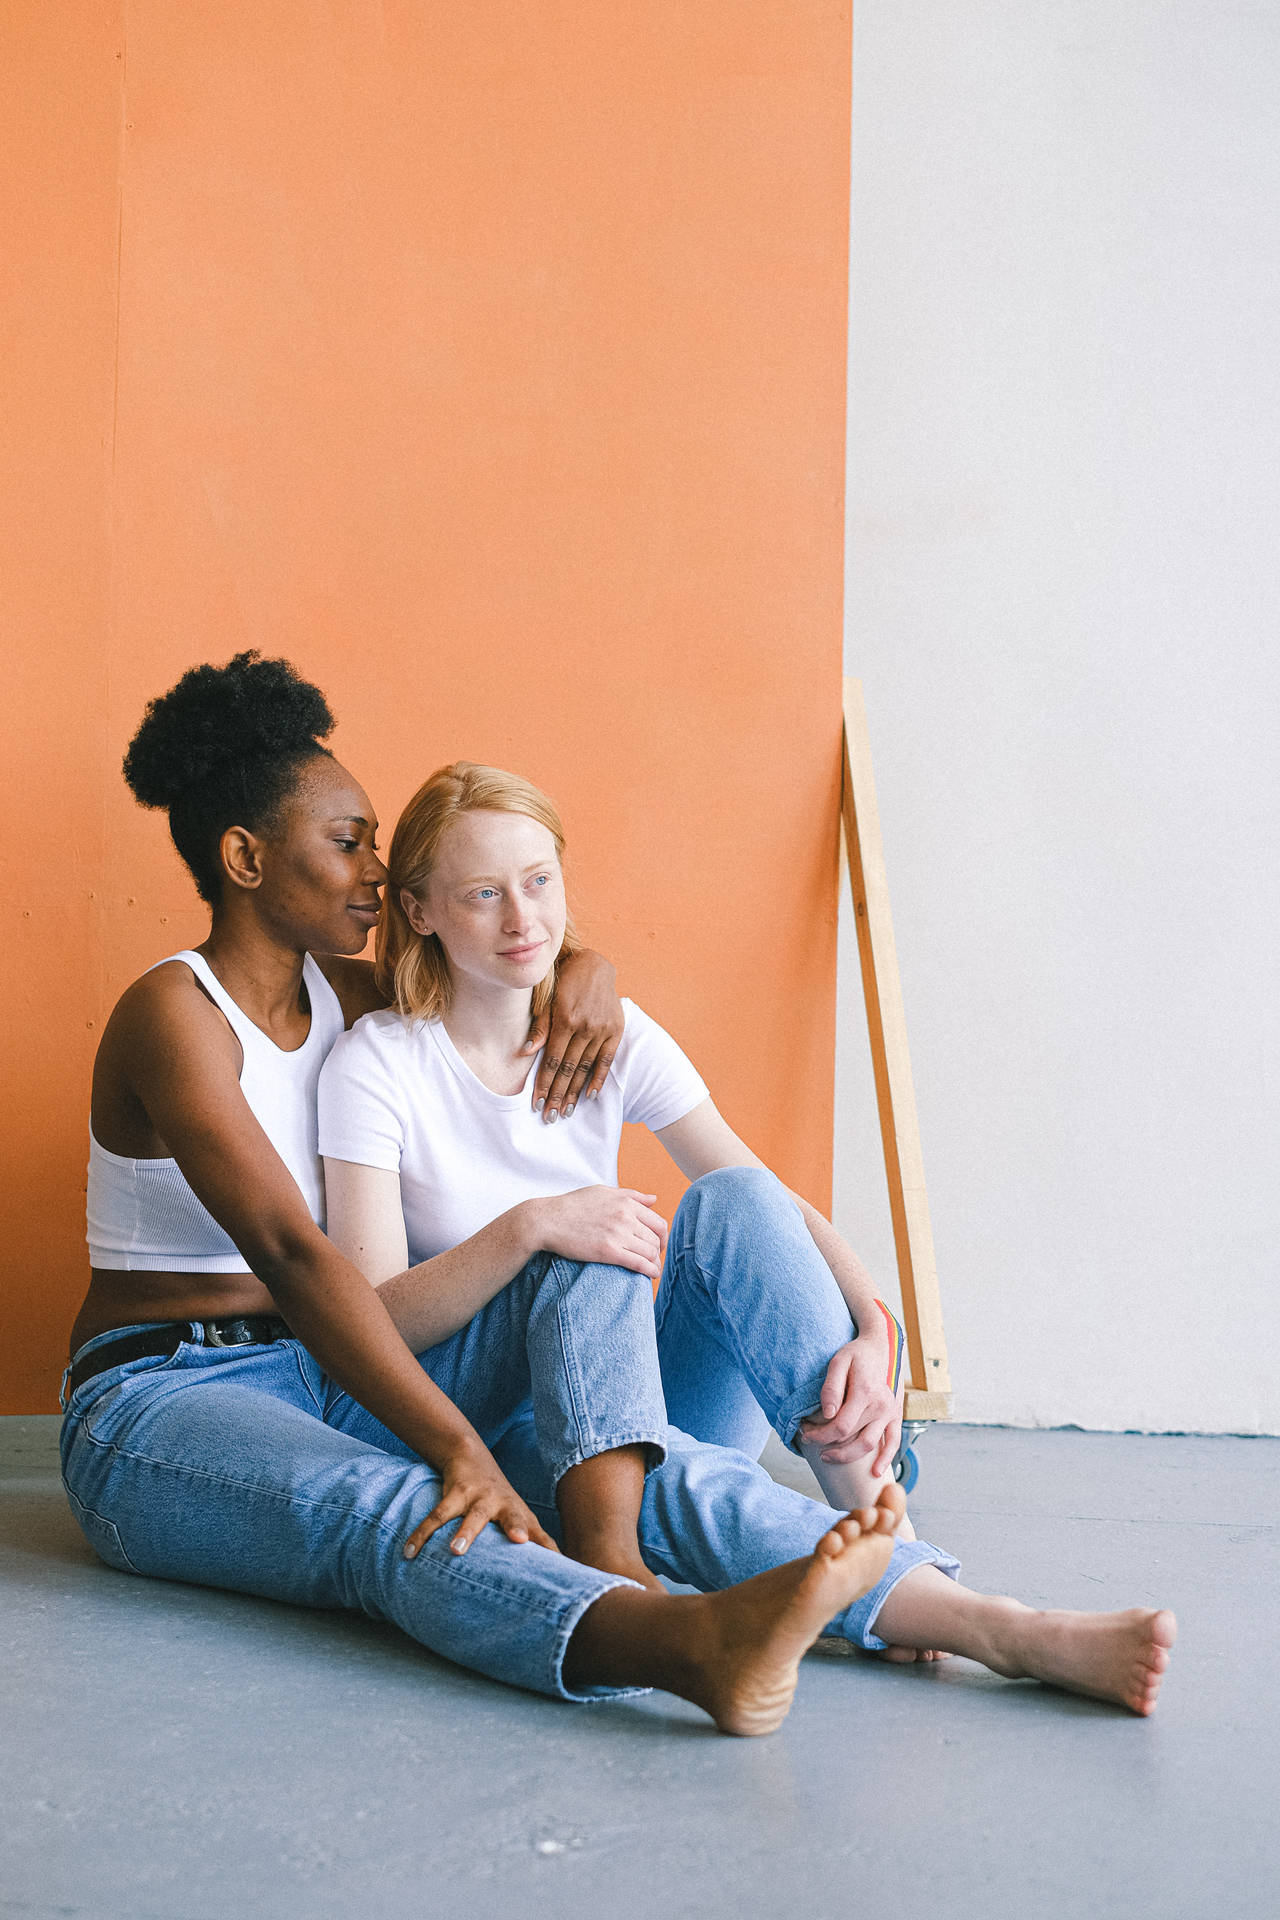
(653, 1440)
(857, 1621)
(569, 1619)
(807, 1400)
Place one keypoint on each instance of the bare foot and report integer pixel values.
(1112, 1656)
(746, 1669)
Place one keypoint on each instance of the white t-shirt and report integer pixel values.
(397, 1094)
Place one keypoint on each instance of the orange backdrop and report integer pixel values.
(488, 361)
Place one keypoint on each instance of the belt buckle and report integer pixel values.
(233, 1332)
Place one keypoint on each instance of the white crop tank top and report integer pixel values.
(143, 1217)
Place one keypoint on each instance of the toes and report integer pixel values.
(890, 1507)
(833, 1543)
(1143, 1692)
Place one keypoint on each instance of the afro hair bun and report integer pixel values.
(219, 718)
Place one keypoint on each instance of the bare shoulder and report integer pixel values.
(354, 983)
(164, 1034)
(164, 1008)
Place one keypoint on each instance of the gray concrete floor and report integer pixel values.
(171, 1753)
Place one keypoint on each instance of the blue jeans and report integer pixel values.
(748, 1317)
(247, 1468)
(574, 1343)
(748, 1313)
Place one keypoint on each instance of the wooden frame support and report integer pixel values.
(929, 1390)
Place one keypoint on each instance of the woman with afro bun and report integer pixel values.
(241, 1409)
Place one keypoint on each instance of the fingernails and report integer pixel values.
(551, 1116)
(538, 1105)
(569, 1109)
(594, 1094)
(411, 1552)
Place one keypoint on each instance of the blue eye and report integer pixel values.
(486, 893)
(541, 879)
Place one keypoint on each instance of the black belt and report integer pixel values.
(249, 1330)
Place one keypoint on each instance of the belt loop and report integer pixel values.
(63, 1395)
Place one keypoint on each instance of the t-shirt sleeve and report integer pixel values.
(660, 1084)
(360, 1104)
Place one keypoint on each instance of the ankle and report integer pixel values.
(599, 1500)
(611, 1533)
(1003, 1629)
(630, 1639)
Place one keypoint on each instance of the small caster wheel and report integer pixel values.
(906, 1469)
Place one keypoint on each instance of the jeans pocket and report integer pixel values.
(102, 1535)
(107, 1397)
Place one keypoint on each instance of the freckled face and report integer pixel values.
(495, 900)
(320, 869)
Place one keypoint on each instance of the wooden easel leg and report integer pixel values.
(929, 1391)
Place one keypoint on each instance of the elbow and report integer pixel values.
(285, 1256)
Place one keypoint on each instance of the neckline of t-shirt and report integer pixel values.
(470, 1078)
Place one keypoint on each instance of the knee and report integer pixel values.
(733, 1190)
(589, 1285)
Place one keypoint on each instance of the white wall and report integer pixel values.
(1063, 514)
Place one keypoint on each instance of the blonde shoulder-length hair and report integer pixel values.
(413, 968)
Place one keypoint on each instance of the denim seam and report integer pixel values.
(569, 1359)
(498, 1591)
(298, 1351)
(222, 1479)
(102, 1520)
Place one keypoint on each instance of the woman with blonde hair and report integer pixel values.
(764, 1316)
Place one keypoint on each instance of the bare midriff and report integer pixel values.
(117, 1299)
